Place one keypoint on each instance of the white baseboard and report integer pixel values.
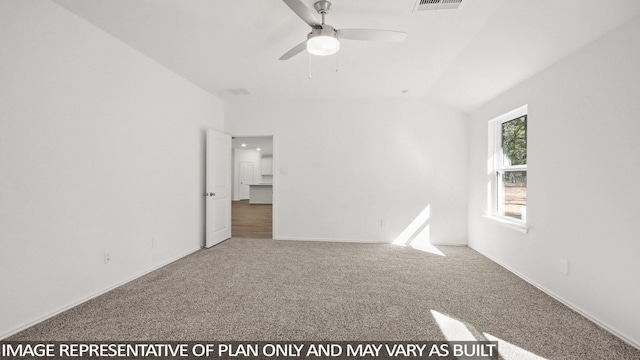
(358, 241)
(449, 244)
(567, 303)
(298, 238)
(76, 303)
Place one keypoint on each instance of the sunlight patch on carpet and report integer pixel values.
(511, 352)
(456, 330)
(452, 329)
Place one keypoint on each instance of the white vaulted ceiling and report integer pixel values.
(460, 57)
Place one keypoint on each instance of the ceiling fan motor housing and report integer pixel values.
(324, 30)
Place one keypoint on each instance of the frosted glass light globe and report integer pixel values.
(323, 45)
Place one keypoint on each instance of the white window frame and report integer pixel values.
(495, 165)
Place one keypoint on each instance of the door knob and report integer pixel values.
(212, 194)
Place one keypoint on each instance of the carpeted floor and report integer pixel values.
(248, 289)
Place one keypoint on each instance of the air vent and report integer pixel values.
(422, 5)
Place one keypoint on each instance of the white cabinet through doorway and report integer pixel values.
(267, 165)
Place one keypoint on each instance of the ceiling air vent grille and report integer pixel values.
(422, 5)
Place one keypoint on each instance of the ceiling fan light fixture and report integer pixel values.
(323, 45)
(324, 39)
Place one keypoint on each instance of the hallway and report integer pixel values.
(251, 220)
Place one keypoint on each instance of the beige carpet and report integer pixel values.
(248, 289)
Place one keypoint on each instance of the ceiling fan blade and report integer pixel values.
(372, 35)
(303, 12)
(295, 51)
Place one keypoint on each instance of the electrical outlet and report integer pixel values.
(564, 266)
(107, 258)
(384, 224)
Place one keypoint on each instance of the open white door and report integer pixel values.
(218, 191)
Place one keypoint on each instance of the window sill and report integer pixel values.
(513, 225)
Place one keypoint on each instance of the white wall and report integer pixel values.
(344, 165)
(583, 195)
(101, 150)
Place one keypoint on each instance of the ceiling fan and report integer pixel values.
(325, 39)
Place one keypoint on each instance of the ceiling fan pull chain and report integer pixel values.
(310, 65)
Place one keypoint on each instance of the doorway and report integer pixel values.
(253, 183)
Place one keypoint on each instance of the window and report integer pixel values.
(508, 172)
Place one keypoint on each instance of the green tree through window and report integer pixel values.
(512, 175)
(514, 141)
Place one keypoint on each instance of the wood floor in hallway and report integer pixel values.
(251, 220)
